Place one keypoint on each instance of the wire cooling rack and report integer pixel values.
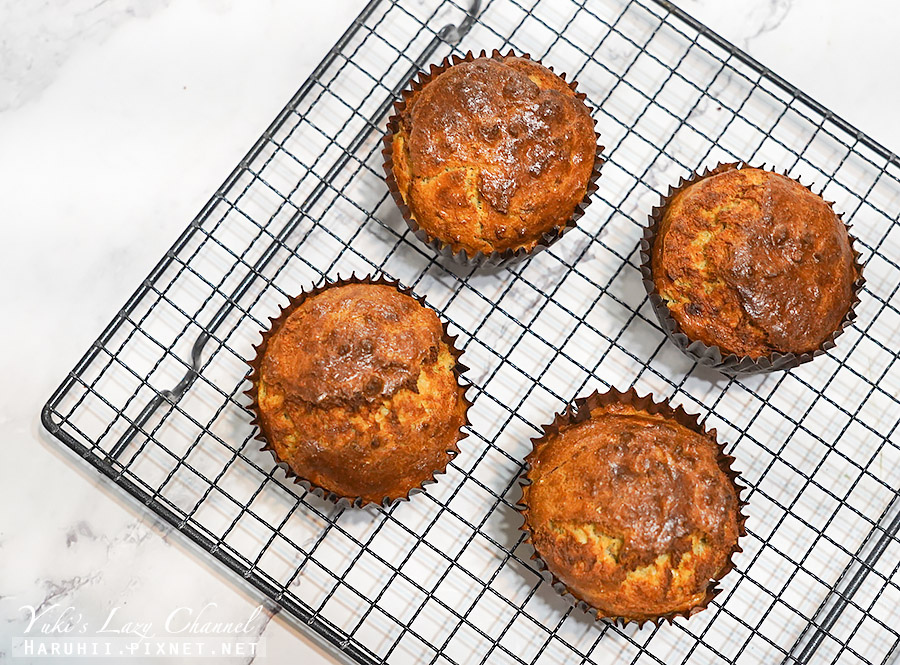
(157, 405)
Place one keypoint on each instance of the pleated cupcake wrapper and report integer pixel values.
(580, 411)
(253, 394)
(713, 356)
(507, 257)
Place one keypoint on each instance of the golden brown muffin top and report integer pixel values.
(492, 154)
(352, 344)
(632, 512)
(753, 262)
(358, 392)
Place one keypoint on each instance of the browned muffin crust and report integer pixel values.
(357, 392)
(493, 154)
(633, 512)
(753, 262)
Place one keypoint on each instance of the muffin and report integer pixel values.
(632, 508)
(491, 158)
(752, 263)
(355, 391)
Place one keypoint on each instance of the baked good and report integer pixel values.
(491, 156)
(355, 390)
(632, 507)
(754, 263)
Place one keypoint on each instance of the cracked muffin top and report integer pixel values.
(493, 154)
(633, 512)
(753, 262)
(357, 391)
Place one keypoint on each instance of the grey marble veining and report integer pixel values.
(39, 37)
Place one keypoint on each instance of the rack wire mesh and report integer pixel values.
(156, 404)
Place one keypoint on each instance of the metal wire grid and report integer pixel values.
(157, 406)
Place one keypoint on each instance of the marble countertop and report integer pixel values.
(118, 118)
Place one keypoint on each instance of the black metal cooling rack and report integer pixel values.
(156, 404)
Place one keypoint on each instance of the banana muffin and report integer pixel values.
(633, 507)
(355, 390)
(754, 263)
(491, 156)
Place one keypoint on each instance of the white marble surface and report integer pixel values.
(118, 118)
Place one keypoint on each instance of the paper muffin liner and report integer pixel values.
(580, 411)
(507, 257)
(713, 356)
(253, 393)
